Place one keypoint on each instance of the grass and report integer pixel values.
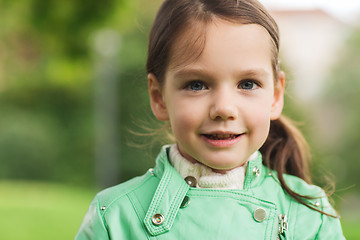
(34, 210)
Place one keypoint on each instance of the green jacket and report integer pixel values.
(161, 205)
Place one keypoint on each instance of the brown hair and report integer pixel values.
(285, 149)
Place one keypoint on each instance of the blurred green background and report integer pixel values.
(73, 89)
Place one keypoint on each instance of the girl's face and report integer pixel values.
(220, 105)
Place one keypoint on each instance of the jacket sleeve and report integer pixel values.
(330, 226)
(93, 226)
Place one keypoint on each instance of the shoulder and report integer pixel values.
(301, 187)
(325, 223)
(314, 196)
(114, 204)
(110, 196)
(295, 183)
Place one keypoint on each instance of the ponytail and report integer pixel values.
(287, 152)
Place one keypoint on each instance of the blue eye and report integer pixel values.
(248, 85)
(196, 86)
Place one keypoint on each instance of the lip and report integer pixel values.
(222, 139)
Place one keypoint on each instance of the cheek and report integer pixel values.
(180, 121)
(260, 125)
(184, 119)
(259, 116)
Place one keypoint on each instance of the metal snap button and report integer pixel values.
(260, 214)
(103, 208)
(317, 204)
(256, 171)
(185, 202)
(158, 219)
(191, 181)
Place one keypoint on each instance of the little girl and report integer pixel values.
(238, 169)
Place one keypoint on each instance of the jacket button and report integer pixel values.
(191, 181)
(185, 202)
(158, 219)
(256, 171)
(260, 214)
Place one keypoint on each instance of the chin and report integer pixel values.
(229, 163)
(224, 167)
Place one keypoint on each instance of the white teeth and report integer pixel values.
(222, 136)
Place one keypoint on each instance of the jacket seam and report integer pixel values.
(127, 192)
(289, 215)
(271, 207)
(271, 225)
(137, 212)
(174, 206)
(322, 221)
(135, 206)
(230, 195)
(293, 215)
(102, 218)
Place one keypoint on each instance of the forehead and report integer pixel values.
(188, 44)
(201, 42)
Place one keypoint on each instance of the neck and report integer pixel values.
(207, 177)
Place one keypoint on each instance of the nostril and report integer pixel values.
(223, 107)
(223, 114)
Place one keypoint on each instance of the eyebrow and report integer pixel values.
(258, 72)
(252, 72)
(191, 72)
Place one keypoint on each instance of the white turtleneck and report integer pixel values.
(205, 176)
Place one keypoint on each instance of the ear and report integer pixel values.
(157, 103)
(278, 102)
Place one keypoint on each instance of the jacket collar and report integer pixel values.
(167, 198)
(172, 189)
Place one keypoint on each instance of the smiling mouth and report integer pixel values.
(221, 136)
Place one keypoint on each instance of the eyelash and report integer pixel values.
(203, 85)
(192, 83)
(256, 83)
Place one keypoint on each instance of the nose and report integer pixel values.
(223, 106)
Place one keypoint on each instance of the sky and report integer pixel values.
(347, 10)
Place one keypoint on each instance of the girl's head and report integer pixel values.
(213, 75)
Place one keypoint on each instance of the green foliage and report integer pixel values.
(351, 229)
(342, 99)
(45, 132)
(47, 68)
